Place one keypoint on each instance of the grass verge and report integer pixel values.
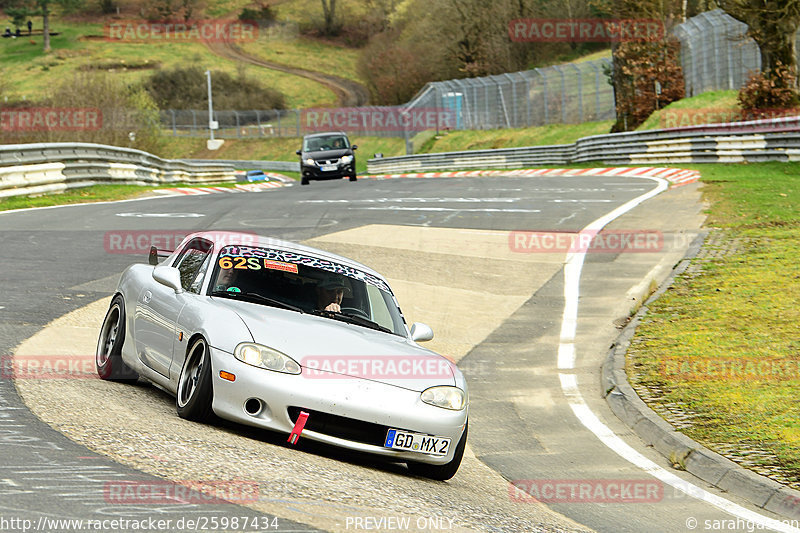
(510, 138)
(721, 347)
(706, 108)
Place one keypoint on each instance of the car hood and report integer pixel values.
(330, 349)
(327, 154)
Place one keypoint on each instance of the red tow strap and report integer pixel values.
(298, 427)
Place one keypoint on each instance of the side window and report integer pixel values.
(190, 264)
(380, 313)
(198, 280)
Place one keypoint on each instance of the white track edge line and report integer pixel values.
(569, 382)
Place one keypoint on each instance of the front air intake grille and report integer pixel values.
(342, 427)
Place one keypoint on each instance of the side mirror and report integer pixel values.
(152, 257)
(354, 147)
(299, 152)
(169, 276)
(421, 332)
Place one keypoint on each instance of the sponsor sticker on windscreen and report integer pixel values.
(398, 439)
(280, 265)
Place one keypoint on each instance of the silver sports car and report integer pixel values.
(288, 338)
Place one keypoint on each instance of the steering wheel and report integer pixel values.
(355, 311)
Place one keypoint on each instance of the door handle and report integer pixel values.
(147, 297)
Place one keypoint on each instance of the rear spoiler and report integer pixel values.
(155, 253)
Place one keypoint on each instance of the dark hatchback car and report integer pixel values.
(327, 156)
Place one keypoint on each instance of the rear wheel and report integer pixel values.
(195, 391)
(445, 471)
(108, 356)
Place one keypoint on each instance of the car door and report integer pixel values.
(158, 308)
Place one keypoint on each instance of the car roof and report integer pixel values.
(324, 133)
(251, 239)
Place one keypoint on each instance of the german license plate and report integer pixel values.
(397, 439)
(328, 168)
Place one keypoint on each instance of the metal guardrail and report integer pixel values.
(751, 141)
(54, 167)
(244, 164)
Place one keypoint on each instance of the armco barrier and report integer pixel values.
(53, 167)
(751, 141)
(279, 166)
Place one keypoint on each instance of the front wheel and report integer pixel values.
(353, 178)
(304, 181)
(108, 356)
(445, 471)
(195, 391)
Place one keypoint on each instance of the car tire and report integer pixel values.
(195, 391)
(108, 356)
(304, 181)
(445, 471)
(353, 178)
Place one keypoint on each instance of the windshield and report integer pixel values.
(304, 283)
(325, 142)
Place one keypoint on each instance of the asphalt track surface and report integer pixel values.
(55, 261)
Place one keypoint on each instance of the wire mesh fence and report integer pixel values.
(716, 53)
(560, 94)
(231, 124)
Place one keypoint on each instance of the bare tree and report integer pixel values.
(772, 24)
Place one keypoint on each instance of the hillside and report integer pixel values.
(81, 42)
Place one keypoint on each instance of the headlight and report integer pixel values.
(311, 162)
(263, 357)
(446, 397)
(346, 159)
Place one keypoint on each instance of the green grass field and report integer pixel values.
(307, 54)
(710, 107)
(29, 72)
